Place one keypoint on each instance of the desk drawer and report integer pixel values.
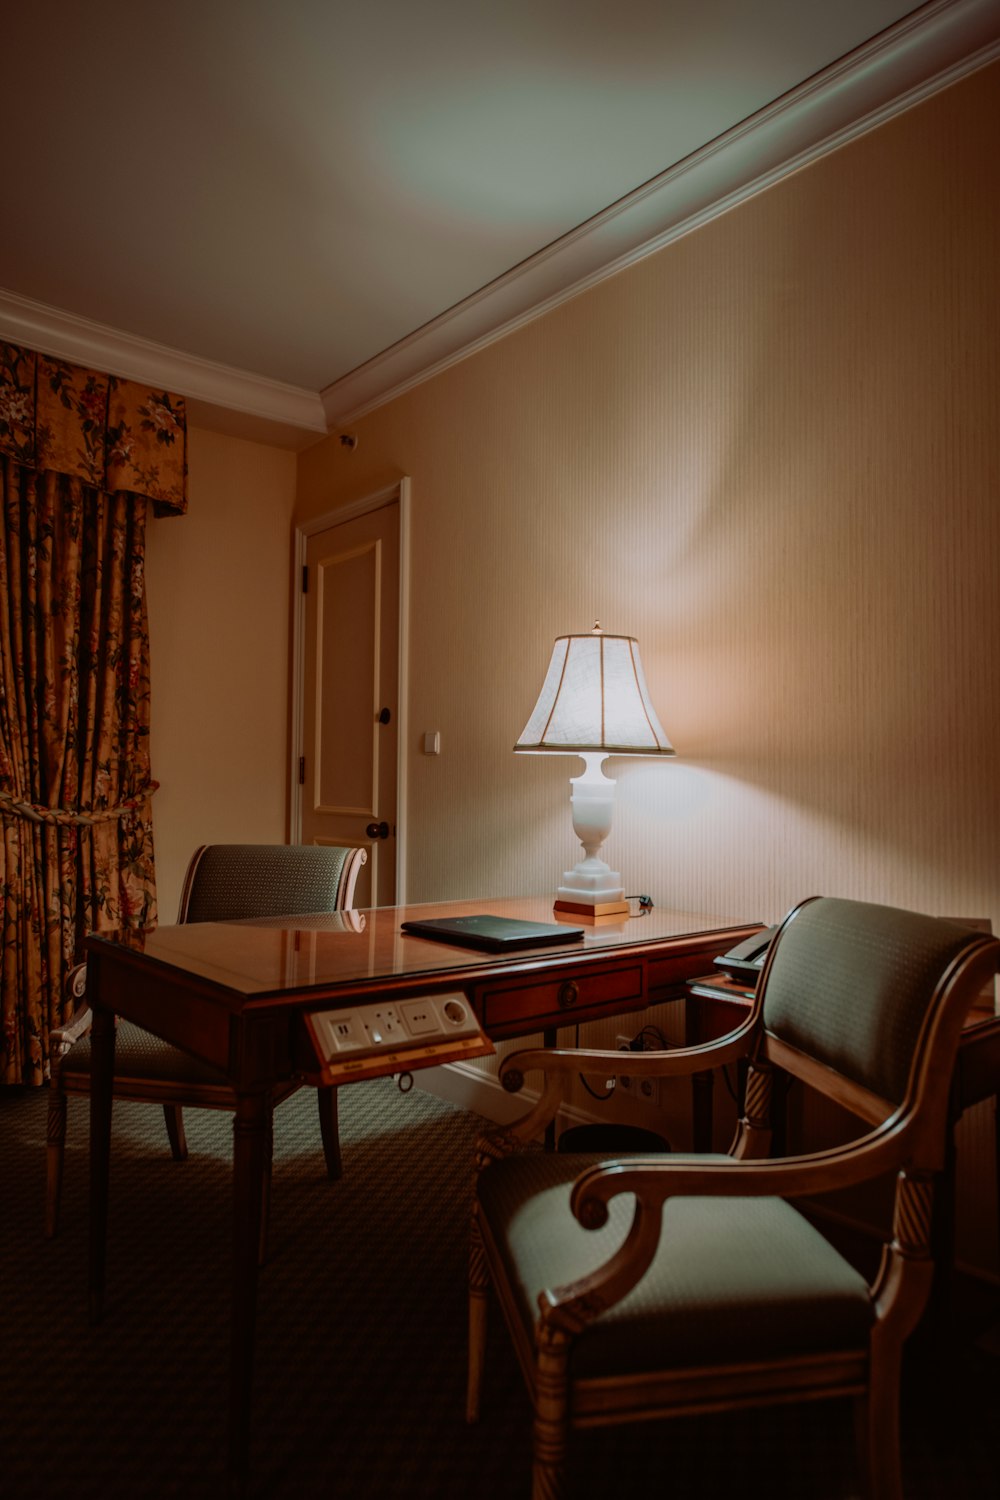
(517, 1007)
(669, 972)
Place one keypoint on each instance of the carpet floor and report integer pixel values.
(361, 1337)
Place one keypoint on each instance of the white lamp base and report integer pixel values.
(591, 892)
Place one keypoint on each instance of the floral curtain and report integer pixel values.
(82, 457)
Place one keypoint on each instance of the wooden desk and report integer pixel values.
(234, 994)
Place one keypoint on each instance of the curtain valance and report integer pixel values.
(111, 433)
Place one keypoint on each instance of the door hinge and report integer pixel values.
(302, 770)
(305, 578)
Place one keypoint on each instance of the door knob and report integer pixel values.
(377, 830)
(384, 716)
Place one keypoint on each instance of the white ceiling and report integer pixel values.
(265, 196)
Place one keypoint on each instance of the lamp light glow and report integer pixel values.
(594, 703)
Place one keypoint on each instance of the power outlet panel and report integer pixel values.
(370, 1041)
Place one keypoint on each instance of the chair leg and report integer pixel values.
(877, 1431)
(862, 1442)
(55, 1135)
(479, 1286)
(548, 1475)
(265, 1184)
(174, 1117)
(329, 1130)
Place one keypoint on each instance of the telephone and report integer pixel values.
(746, 960)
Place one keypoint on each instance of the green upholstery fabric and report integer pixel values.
(733, 1280)
(138, 1054)
(264, 880)
(850, 984)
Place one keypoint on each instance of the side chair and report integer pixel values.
(224, 882)
(643, 1287)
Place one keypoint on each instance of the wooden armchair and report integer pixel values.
(641, 1288)
(224, 882)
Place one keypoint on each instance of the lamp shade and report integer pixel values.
(594, 698)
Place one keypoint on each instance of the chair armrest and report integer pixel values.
(655, 1179)
(75, 983)
(62, 1038)
(562, 1064)
(674, 1062)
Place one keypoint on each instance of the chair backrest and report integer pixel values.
(852, 986)
(226, 882)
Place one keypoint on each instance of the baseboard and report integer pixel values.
(461, 1084)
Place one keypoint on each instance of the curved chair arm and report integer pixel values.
(562, 1064)
(674, 1062)
(505, 1140)
(62, 1038)
(654, 1180)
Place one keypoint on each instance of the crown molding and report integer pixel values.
(925, 52)
(932, 48)
(217, 395)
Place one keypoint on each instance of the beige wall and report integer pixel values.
(772, 453)
(218, 589)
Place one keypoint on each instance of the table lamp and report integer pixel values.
(594, 703)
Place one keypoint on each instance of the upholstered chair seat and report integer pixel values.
(728, 1273)
(654, 1286)
(139, 1053)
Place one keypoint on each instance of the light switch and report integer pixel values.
(432, 742)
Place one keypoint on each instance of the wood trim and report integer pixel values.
(400, 494)
(689, 1392)
(923, 53)
(290, 416)
(860, 1101)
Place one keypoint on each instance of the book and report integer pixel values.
(492, 934)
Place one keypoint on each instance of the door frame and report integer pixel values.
(399, 492)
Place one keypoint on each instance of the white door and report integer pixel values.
(351, 694)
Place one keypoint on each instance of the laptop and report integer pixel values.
(493, 934)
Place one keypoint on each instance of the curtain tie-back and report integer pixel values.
(64, 817)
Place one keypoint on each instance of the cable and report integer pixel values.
(659, 1037)
(592, 1092)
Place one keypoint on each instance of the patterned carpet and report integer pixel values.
(361, 1337)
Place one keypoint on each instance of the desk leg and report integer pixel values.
(102, 1071)
(550, 1039)
(702, 1084)
(702, 1091)
(249, 1146)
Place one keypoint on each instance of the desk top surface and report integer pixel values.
(285, 955)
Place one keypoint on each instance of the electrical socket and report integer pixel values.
(649, 1091)
(646, 1089)
(624, 1044)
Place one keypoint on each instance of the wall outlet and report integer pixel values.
(646, 1089)
(649, 1091)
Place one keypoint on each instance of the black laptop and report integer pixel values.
(494, 934)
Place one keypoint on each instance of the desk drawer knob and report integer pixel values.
(569, 994)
